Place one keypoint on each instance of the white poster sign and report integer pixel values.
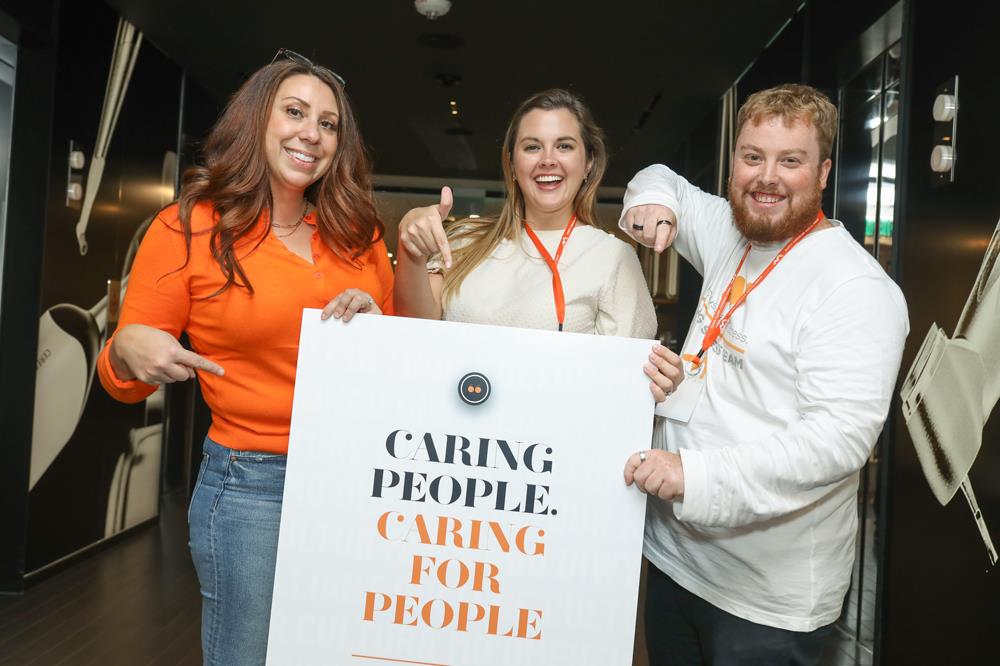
(419, 527)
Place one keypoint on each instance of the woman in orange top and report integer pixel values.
(280, 218)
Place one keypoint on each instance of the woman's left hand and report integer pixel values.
(665, 370)
(349, 303)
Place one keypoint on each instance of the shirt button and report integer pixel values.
(315, 255)
(317, 275)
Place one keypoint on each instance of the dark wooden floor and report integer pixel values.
(137, 603)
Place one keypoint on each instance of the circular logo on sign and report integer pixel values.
(474, 388)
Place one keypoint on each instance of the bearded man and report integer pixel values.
(791, 362)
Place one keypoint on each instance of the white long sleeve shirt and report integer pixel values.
(793, 396)
(604, 289)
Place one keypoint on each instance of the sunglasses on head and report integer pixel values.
(288, 54)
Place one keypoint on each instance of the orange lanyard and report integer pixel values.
(557, 288)
(720, 320)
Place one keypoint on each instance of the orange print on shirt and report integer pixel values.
(691, 362)
(739, 286)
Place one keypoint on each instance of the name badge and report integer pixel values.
(679, 405)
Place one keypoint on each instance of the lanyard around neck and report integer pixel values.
(720, 320)
(557, 288)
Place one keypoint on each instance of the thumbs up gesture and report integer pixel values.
(421, 231)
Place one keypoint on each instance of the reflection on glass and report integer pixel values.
(8, 59)
(866, 194)
(882, 180)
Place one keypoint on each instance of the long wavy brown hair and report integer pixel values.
(235, 177)
(476, 238)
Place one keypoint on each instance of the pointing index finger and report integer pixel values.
(189, 358)
(442, 243)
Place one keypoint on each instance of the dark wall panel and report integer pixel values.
(23, 21)
(31, 137)
(69, 507)
(781, 62)
(941, 594)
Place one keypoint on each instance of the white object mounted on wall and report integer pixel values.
(137, 471)
(75, 162)
(944, 153)
(945, 108)
(126, 50)
(951, 389)
(69, 340)
(942, 159)
(432, 9)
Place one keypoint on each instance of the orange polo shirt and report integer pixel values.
(254, 337)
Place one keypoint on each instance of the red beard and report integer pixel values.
(761, 228)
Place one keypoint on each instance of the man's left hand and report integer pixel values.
(665, 371)
(660, 474)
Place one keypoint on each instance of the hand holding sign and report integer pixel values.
(665, 370)
(348, 303)
(421, 231)
(656, 472)
(459, 534)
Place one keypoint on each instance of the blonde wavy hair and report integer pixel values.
(476, 238)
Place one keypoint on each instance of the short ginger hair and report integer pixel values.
(791, 102)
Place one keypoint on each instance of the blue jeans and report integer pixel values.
(234, 516)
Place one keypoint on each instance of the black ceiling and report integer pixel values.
(619, 56)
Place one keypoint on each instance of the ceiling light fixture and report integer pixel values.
(432, 9)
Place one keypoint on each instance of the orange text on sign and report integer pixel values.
(464, 616)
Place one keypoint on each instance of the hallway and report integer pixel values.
(135, 602)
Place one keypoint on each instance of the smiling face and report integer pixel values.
(776, 187)
(301, 135)
(550, 163)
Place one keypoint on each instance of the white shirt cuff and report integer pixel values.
(696, 505)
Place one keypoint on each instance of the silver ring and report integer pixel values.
(642, 456)
(637, 227)
(371, 302)
(659, 222)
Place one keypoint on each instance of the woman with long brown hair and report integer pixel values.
(543, 262)
(279, 217)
